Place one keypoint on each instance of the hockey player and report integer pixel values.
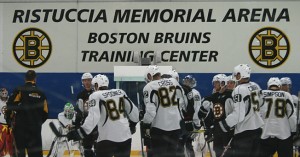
(190, 113)
(286, 85)
(245, 118)
(82, 111)
(221, 104)
(114, 113)
(206, 105)
(280, 118)
(66, 119)
(162, 117)
(5, 132)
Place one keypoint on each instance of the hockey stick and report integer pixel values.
(51, 147)
(226, 147)
(140, 108)
(55, 130)
(198, 131)
(209, 149)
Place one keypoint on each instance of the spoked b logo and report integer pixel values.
(32, 47)
(269, 47)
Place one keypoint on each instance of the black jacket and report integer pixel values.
(28, 105)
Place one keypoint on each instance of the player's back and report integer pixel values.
(162, 93)
(114, 108)
(243, 94)
(276, 110)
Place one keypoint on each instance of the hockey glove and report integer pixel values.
(208, 134)
(141, 114)
(76, 135)
(147, 136)
(132, 126)
(188, 124)
(202, 113)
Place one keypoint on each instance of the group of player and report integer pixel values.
(239, 117)
(244, 120)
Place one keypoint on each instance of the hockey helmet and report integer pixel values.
(86, 76)
(100, 80)
(243, 69)
(190, 81)
(151, 70)
(274, 81)
(219, 78)
(69, 111)
(286, 81)
(174, 74)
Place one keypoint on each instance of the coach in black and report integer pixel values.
(27, 110)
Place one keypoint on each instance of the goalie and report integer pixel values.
(6, 145)
(66, 120)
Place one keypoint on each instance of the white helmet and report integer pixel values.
(286, 81)
(219, 78)
(86, 76)
(230, 78)
(152, 70)
(100, 80)
(274, 81)
(243, 69)
(174, 74)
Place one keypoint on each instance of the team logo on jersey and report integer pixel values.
(3, 110)
(32, 47)
(269, 47)
(218, 110)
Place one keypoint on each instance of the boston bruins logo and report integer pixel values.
(269, 47)
(218, 110)
(32, 47)
(3, 110)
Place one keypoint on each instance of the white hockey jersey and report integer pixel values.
(65, 121)
(197, 105)
(279, 114)
(162, 99)
(110, 110)
(295, 100)
(2, 107)
(245, 114)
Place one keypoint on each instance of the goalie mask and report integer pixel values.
(190, 81)
(151, 70)
(3, 93)
(69, 111)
